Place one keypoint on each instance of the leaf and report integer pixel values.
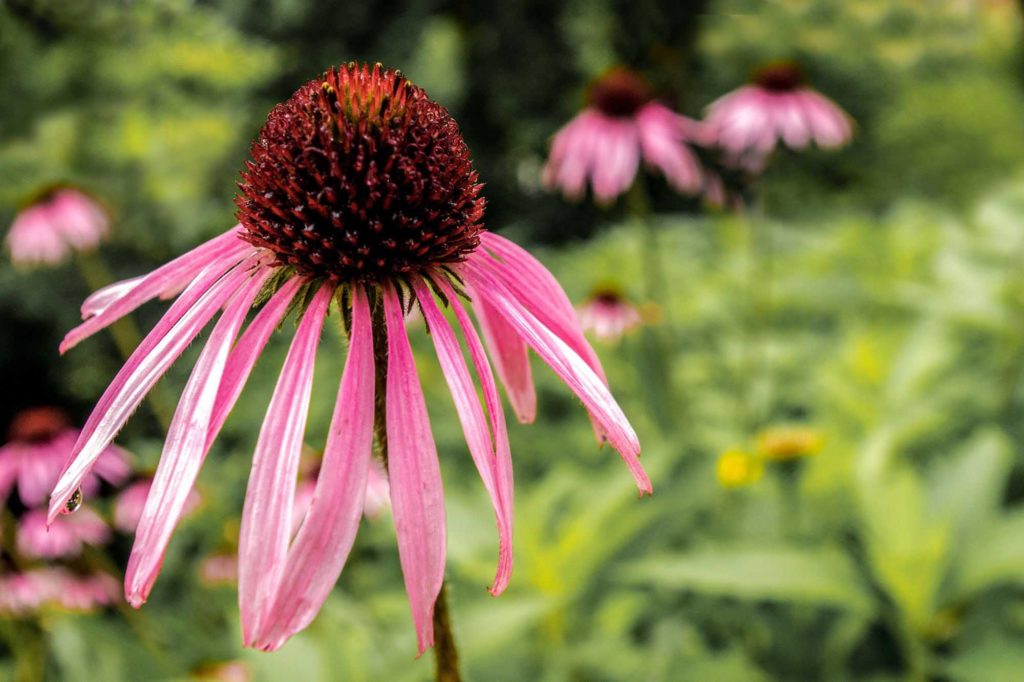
(822, 576)
(996, 556)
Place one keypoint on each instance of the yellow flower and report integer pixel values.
(737, 468)
(784, 443)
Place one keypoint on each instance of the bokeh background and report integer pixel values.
(872, 297)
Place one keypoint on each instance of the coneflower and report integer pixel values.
(777, 106)
(59, 221)
(361, 195)
(621, 126)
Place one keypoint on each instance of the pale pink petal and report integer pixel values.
(567, 364)
(794, 128)
(266, 516)
(246, 352)
(417, 498)
(64, 538)
(475, 426)
(511, 357)
(102, 298)
(617, 160)
(502, 452)
(185, 448)
(829, 124)
(663, 142)
(325, 538)
(143, 369)
(535, 286)
(218, 253)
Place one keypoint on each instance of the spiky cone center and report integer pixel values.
(360, 177)
(620, 93)
(779, 77)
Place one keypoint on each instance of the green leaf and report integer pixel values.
(822, 576)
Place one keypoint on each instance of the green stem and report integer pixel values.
(446, 657)
(124, 332)
(445, 653)
(658, 340)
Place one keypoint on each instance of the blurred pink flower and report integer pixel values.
(414, 237)
(24, 593)
(777, 106)
(39, 443)
(622, 125)
(62, 221)
(219, 568)
(132, 500)
(230, 671)
(64, 537)
(609, 315)
(377, 491)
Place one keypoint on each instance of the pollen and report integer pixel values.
(360, 176)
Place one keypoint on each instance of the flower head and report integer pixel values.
(608, 314)
(61, 220)
(737, 468)
(621, 125)
(777, 106)
(783, 443)
(132, 500)
(39, 443)
(360, 194)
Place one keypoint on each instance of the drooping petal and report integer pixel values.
(417, 497)
(566, 363)
(474, 423)
(325, 538)
(532, 283)
(245, 353)
(502, 451)
(170, 276)
(147, 364)
(512, 359)
(266, 516)
(184, 449)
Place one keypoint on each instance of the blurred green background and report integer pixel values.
(890, 324)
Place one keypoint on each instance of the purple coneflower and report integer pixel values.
(63, 538)
(24, 593)
(608, 315)
(360, 193)
(775, 106)
(621, 125)
(60, 221)
(39, 444)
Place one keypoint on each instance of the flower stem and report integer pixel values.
(657, 340)
(445, 653)
(125, 332)
(446, 656)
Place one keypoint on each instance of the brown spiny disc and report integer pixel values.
(359, 176)
(619, 93)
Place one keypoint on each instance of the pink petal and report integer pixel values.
(245, 353)
(325, 538)
(567, 364)
(512, 359)
(662, 140)
(217, 252)
(184, 449)
(617, 159)
(502, 455)
(474, 424)
(143, 369)
(266, 515)
(417, 498)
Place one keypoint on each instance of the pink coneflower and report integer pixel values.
(132, 500)
(608, 315)
(620, 126)
(218, 569)
(24, 593)
(61, 221)
(40, 443)
(777, 106)
(360, 194)
(65, 537)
